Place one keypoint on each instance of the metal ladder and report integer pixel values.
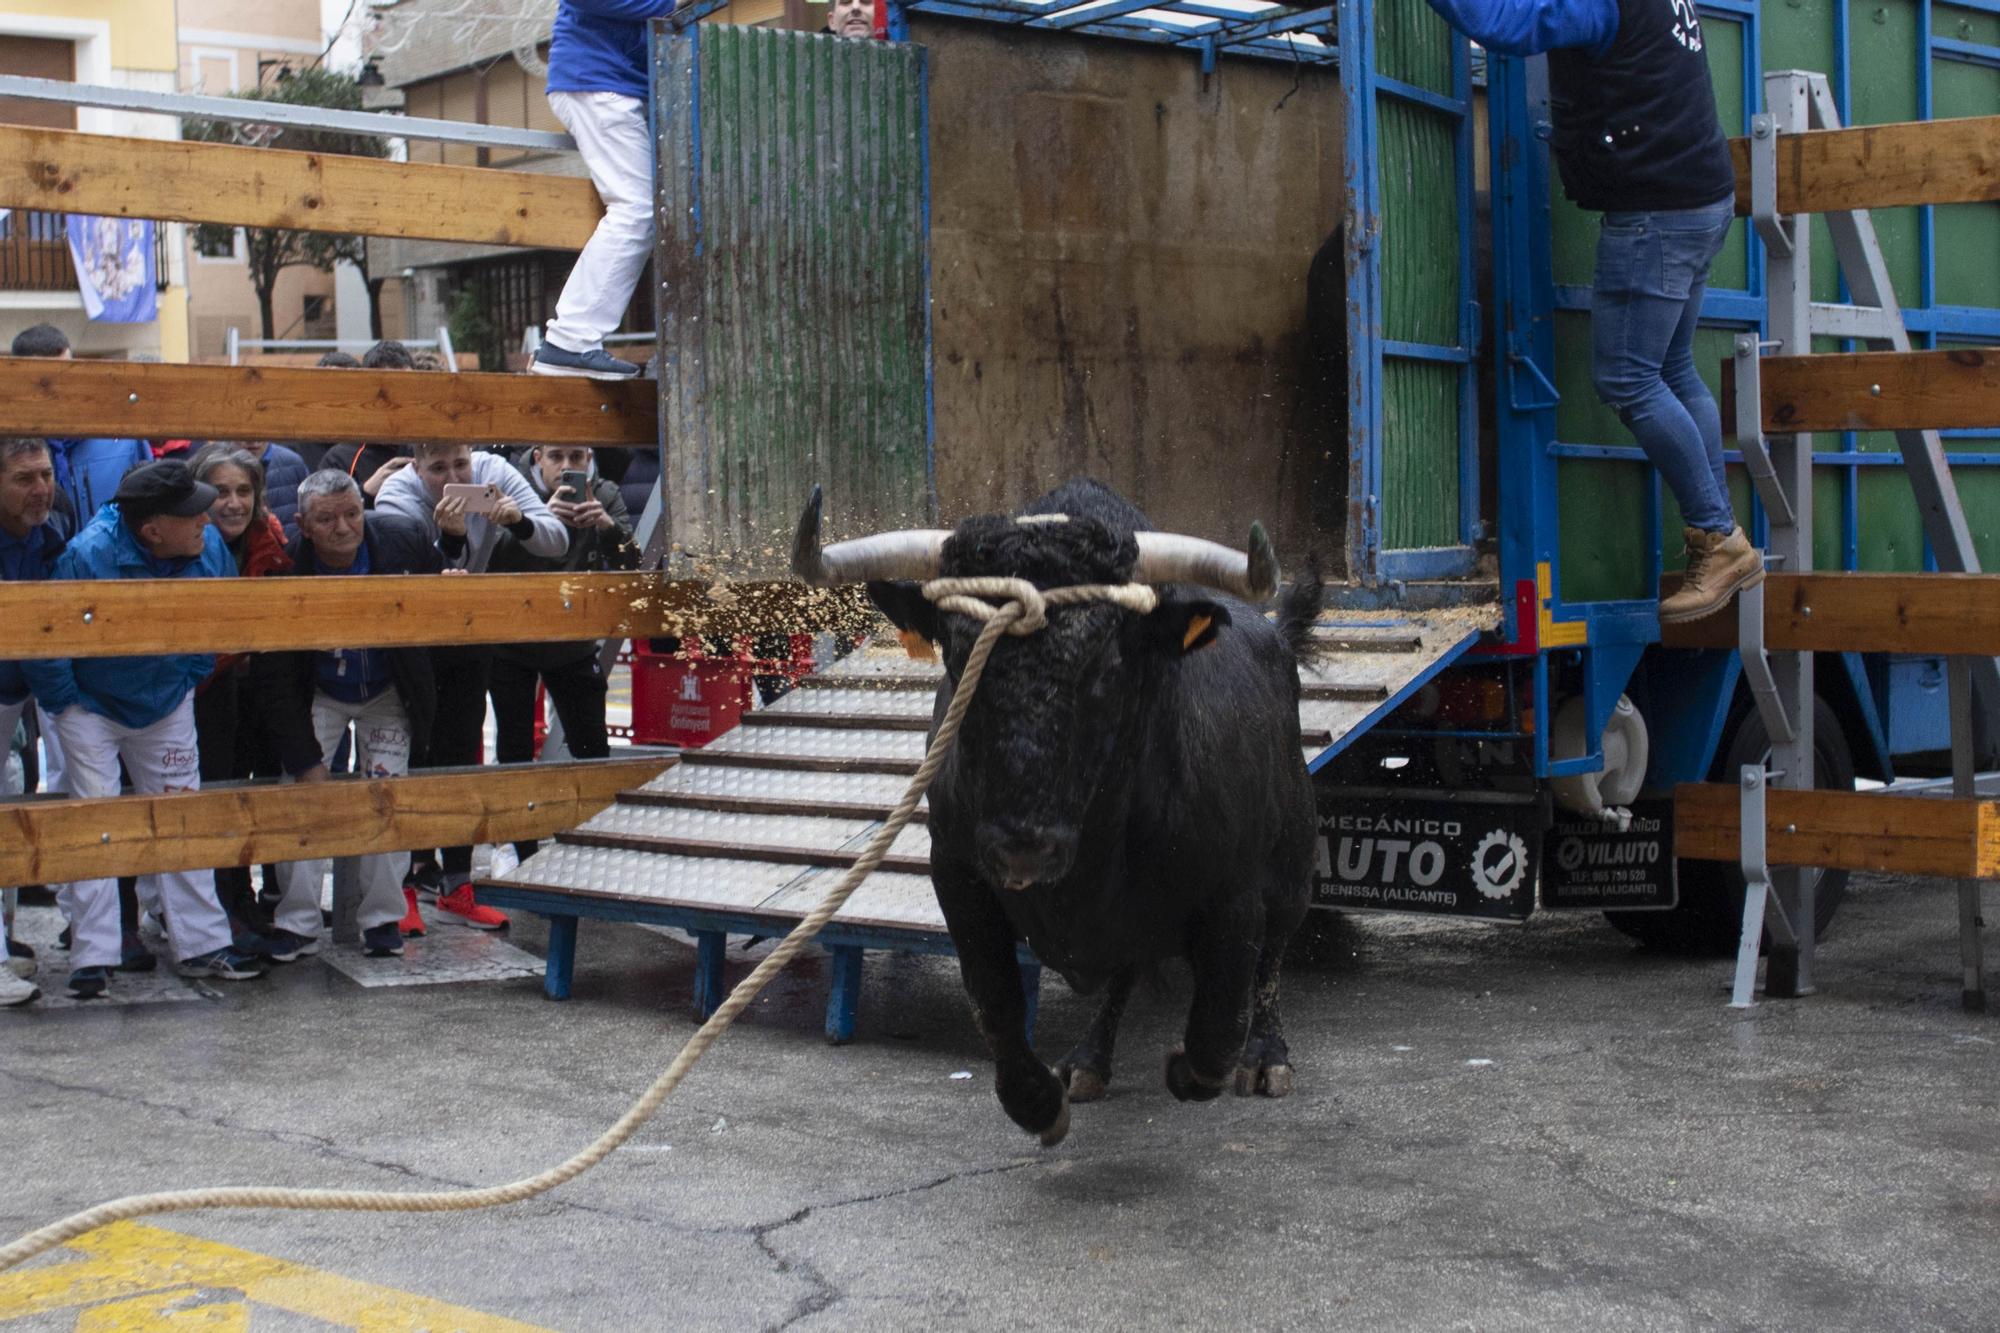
(1780, 469)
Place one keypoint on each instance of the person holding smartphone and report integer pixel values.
(600, 538)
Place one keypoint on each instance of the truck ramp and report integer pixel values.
(744, 835)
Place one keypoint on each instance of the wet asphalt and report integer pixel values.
(1492, 1128)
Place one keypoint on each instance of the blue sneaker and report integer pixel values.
(222, 965)
(596, 364)
(280, 946)
(87, 983)
(383, 941)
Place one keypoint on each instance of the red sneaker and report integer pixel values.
(459, 903)
(413, 923)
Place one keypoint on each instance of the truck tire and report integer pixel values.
(1709, 917)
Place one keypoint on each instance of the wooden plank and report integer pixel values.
(1846, 830)
(178, 181)
(738, 851)
(1863, 613)
(132, 617)
(1881, 166)
(46, 842)
(135, 399)
(1958, 389)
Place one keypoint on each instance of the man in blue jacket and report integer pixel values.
(1637, 139)
(598, 88)
(32, 534)
(139, 710)
(87, 469)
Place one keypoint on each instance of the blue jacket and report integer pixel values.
(1534, 27)
(283, 471)
(28, 560)
(95, 467)
(131, 691)
(599, 46)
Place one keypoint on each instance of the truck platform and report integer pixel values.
(742, 836)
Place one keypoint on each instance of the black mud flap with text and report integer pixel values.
(1452, 854)
(1591, 865)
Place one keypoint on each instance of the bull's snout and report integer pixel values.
(1019, 854)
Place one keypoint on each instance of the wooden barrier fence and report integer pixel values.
(1955, 389)
(63, 171)
(134, 617)
(52, 841)
(1839, 612)
(141, 400)
(1881, 166)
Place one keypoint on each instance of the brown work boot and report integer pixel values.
(1719, 563)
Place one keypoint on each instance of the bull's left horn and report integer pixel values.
(1169, 557)
(912, 554)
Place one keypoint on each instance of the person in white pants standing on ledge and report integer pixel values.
(598, 88)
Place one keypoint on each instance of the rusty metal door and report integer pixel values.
(793, 292)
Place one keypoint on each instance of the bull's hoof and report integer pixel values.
(1036, 1100)
(1264, 1080)
(1059, 1131)
(1185, 1083)
(1087, 1085)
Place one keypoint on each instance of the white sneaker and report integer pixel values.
(16, 990)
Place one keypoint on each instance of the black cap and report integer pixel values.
(163, 487)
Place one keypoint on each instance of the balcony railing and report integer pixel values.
(34, 253)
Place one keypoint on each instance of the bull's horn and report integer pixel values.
(1168, 557)
(890, 555)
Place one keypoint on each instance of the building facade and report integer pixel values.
(125, 44)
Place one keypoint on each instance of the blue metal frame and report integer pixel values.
(1264, 31)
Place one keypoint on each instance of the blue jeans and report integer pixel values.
(1651, 271)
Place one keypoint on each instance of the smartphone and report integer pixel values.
(478, 499)
(578, 484)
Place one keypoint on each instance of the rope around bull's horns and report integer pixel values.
(1022, 611)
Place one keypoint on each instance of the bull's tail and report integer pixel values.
(1297, 611)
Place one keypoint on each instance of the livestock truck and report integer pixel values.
(1310, 266)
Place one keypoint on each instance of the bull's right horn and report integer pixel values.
(911, 554)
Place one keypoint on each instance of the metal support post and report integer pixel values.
(1971, 921)
(1788, 102)
(1757, 663)
(1750, 431)
(1762, 909)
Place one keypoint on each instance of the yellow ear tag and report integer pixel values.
(1196, 627)
(917, 646)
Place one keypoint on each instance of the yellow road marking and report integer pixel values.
(130, 1277)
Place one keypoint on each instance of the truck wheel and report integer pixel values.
(1709, 918)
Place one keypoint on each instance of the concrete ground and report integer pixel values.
(1493, 1128)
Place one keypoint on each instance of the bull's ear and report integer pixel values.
(1183, 626)
(907, 608)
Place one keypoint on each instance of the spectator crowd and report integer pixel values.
(82, 509)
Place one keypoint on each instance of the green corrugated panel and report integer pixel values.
(1968, 235)
(795, 322)
(1420, 454)
(1882, 89)
(1420, 303)
(1413, 44)
(1420, 299)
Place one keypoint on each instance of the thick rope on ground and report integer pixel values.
(1023, 606)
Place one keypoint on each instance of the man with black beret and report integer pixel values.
(139, 710)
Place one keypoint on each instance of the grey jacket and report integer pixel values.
(539, 532)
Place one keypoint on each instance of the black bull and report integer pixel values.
(1125, 789)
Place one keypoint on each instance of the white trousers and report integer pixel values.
(162, 757)
(610, 133)
(381, 750)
